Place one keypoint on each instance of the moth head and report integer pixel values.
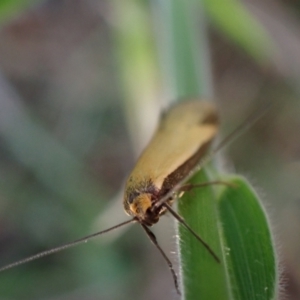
(139, 207)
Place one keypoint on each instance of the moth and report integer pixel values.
(177, 150)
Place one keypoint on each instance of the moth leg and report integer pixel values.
(189, 186)
(197, 236)
(152, 237)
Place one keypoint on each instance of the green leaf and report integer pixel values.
(202, 277)
(234, 224)
(250, 255)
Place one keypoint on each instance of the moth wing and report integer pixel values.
(181, 134)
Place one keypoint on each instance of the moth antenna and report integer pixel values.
(244, 126)
(153, 239)
(63, 247)
(181, 221)
(253, 118)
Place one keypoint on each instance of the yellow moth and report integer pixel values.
(179, 143)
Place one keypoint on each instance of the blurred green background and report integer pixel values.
(81, 85)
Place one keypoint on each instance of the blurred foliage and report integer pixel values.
(232, 18)
(183, 48)
(61, 74)
(10, 8)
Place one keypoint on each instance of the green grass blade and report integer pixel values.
(250, 256)
(202, 277)
(235, 226)
(186, 58)
(237, 23)
(184, 48)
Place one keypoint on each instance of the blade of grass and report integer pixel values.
(233, 18)
(239, 234)
(183, 48)
(186, 56)
(134, 52)
(202, 277)
(248, 243)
